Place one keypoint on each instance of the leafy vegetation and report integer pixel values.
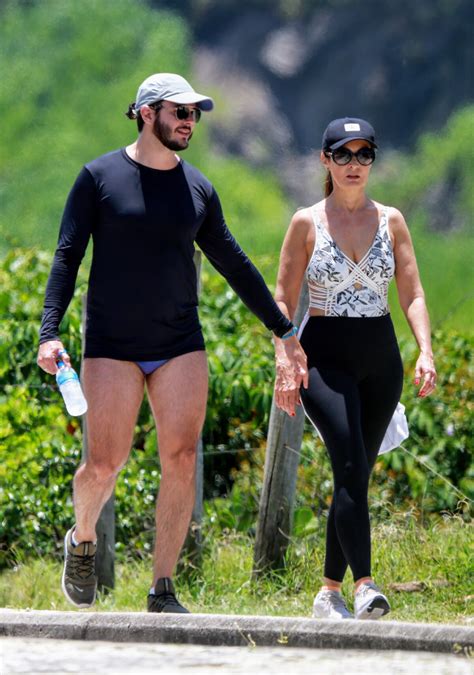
(40, 445)
(72, 104)
(73, 95)
(71, 110)
(435, 179)
(437, 556)
(432, 187)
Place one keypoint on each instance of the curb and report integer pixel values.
(225, 630)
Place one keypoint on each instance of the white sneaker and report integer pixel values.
(330, 605)
(370, 602)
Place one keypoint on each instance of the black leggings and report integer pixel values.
(355, 382)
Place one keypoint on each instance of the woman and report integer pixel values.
(350, 247)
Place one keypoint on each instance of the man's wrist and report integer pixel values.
(289, 334)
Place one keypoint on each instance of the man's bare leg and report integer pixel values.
(178, 395)
(114, 391)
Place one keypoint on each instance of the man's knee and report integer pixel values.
(102, 470)
(181, 459)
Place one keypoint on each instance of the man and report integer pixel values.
(144, 208)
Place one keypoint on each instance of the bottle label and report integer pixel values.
(66, 376)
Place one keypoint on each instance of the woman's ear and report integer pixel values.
(324, 160)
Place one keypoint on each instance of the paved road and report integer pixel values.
(32, 656)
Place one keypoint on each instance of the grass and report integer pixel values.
(437, 553)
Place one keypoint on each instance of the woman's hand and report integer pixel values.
(425, 370)
(291, 373)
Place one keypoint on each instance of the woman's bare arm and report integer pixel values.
(412, 301)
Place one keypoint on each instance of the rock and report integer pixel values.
(417, 586)
(408, 586)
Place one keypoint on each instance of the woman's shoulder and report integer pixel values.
(301, 228)
(394, 215)
(302, 218)
(395, 220)
(396, 224)
(306, 215)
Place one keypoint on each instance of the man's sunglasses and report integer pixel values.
(342, 156)
(182, 112)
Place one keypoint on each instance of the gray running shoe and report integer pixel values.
(330, 605)
(164, 600)
(79, 581)
(370, 602)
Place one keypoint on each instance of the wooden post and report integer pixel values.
(275, 516)
(192, 548)
(105, 561)
(105, 528)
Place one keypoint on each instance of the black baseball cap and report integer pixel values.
(347, 129)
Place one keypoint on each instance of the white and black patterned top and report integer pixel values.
(341, 287)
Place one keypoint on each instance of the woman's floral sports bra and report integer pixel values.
(341, 287)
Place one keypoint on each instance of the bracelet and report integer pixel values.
(290, 333)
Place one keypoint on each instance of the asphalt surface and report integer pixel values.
(40, 656)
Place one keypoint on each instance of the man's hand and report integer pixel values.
(48, 355)
(291, 373)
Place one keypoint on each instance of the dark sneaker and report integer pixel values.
(79, 582)
(164, 599)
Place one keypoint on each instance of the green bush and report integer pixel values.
(433, 470)
(40, 449)
(40, 446)
(78, 66)
(433, 184)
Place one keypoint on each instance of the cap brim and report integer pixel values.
(339, 144)
(204, 102)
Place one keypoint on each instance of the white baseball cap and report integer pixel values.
(170, 87)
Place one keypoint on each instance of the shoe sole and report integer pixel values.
(82, 605)
(377, 608)
(330, 618)
(166, 611)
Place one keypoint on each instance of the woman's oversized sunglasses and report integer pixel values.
(342, 156)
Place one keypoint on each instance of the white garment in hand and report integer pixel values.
(397, 430)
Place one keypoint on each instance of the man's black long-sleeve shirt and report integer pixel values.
(142, 294)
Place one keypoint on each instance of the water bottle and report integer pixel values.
(70, 388)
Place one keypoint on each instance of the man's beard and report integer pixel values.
(163, 133)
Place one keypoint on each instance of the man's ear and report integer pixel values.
(147, 114)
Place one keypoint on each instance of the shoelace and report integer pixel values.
(335, 601)
(81, 566)
(165, 599)
(366, 588)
